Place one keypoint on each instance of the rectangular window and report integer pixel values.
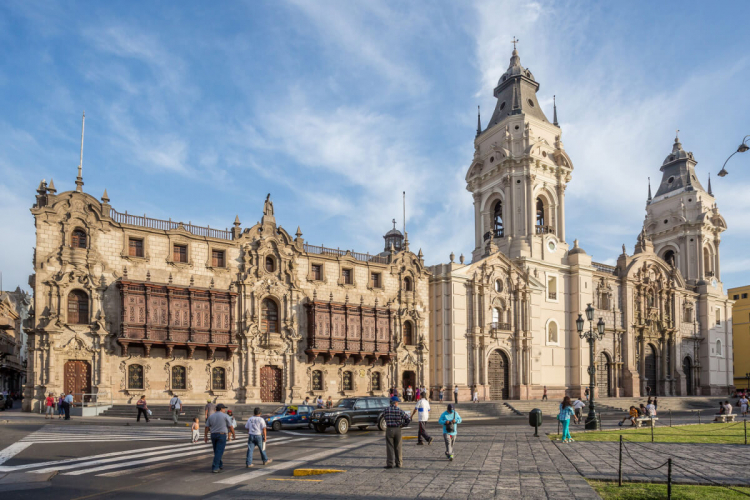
(347, 273)
(552, 287)
(135, 247)
(217, 258)
(180, 253)
(735, 297)
(718, 316)
(375, 280)
(316, 272)
(744, 295)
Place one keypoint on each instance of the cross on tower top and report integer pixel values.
(394, 223)
(515, 41)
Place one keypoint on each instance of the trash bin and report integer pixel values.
(535, 420)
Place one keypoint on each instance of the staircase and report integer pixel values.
(161, 412)
(622, 405)
(468, 410)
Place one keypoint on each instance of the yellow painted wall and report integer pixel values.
(741, 334)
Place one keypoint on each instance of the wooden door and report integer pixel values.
(78, 379)
(602, 375)
(270, 384)
(498, 371)
(687, 368)
(651, 368)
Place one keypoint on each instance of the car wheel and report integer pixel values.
(342, 426)
(363, 427)
(320, 428)
(276, 426)
(309, 425)
(381, 424)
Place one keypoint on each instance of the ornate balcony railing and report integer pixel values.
(166, 225)
(604, 268)
(496, 326)
(545, 230)
(552, 295)
(336, 252)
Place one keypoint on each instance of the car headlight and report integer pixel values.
(328, 414)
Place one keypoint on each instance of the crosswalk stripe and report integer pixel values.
(155, 459)
(12, 450)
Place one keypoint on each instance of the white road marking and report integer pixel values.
(12, 450)
(138, 462)
(293, 463)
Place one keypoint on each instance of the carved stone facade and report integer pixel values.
(127, 305)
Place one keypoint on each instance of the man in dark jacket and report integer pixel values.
(395, 418)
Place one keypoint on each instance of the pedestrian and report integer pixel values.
(632, 416)
(642, 410)
(175, 405)
(329, 402)
(656, 402)
(257, 433)
(586, 394)
(234, 422)
(409, 393)
(423, 410)
(61, 406)
(417, 393)
(475, 398)
(395, 419)
(648, 390)
(209, 409)
(319, 402)
(743, 405)
(450, 419)
(196, 427)
(455, 394)
(142, 408)
(219, 425)
(307, 401)
(651, 410)
(66, 405)
(544, 395)
(578, 406)
(566, 412)
(442, 394)
(49, 403)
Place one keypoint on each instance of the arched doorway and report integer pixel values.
(687, 368)
(409, 378)
(603, 369)
(650, 369)
(270, 384)
(78, 379)
(498, 370)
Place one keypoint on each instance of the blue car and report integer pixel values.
(289, 416)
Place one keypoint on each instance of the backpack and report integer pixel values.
(450, 425)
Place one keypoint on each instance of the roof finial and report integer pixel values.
(394, 223)
(709, 185)
(554, 105)
(79, 179)
(515, 41)
(479, 122)
(677, 136)
(649, 191)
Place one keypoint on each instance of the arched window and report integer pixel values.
(407, 284)
(218, 379)
(498, 286)
(179, 378)
(135, 377)
(408, 333)
(708, 262)
(317, 380)
(496, 315)
(376, 381)
(497, 218)
(552, 333)
(270, 264)
(78, 238)
(78, 308)
(718, 347)
(348, 381)
(540, 212)
(669, 258)
(269, 317)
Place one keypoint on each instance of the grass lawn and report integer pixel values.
(649, 491)
(733, 433)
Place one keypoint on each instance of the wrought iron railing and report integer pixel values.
(337, 252)
(166, 225)
(500, 326)
(552, 295)
(604, 268)
(545, 230)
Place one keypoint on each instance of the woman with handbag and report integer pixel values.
(566, 413)
(142, 408)
(450, 419)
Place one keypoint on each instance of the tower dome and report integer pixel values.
(395, 238)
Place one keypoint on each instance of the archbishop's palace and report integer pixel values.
(127, 305)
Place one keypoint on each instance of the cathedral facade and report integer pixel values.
(504, 325)
(128, 305)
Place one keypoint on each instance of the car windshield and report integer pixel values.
(279, 410)
(345, 403)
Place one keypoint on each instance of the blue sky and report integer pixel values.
(196, 111)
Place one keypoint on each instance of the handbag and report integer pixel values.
(450, 426)
(149, 412)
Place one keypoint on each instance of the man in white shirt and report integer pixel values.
(727, 408)
(423, 410)
(66, 405)
(743, 405)
(651, 410)
(578, 406)
(175, 405)
(256, 429)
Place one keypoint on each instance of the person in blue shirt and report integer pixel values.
(450, 420)
(566, 413)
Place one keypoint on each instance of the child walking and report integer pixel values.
(196, 428)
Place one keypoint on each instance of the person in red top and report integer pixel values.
(50, 406)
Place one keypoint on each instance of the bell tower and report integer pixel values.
(519, 174)
(683, 219)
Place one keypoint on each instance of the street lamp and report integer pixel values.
(591, 336)
(743, 147)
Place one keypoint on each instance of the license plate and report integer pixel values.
(315, 420)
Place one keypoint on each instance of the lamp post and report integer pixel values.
(591, 336)
(743, 147)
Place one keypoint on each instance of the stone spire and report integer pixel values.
(52, 190)
(710, 192)
(479, 122)
(648, 202)
(554, 107)
(79, 179)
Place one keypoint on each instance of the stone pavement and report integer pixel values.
(490, 462)
(708, 464)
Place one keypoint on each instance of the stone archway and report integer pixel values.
(603, 375)
(498, 375)
(687, 368)
(650, 369)
(78, 379)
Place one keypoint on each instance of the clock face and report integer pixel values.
(551, 245)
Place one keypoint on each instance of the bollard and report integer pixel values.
(699, 416)
(745, 431)
(669, 479)
(619, 472)
(652, 429)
